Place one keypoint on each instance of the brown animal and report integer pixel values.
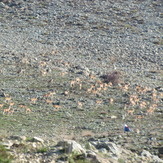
(125, 87)
(72, 83)
(11, 103)
(80, 104)
(8, 111)
(91, 76)
(89, 90)
(57, 106)
(143, 104)
(1, 105)
(33, 100)
(130, 112)
(7, 99)
(150, 110)
(99, 101)
(48, 101)
(22, 106)
(28, 110)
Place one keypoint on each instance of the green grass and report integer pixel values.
(77, 158)
(28, 139)
(120, 160)
(5, 157)
(42, 150)
(87, 146)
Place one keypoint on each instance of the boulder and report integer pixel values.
(146, 153)
(37, 139)
(71, 146)
(149, 155)
(111, 147)
(157, 159)
(19, 138)
(7, 144)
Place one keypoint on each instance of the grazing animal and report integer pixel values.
(57, 106)
(11, 103)
(99, 101)
(72, 83)
(80, 104)
(28, 110)
(1, 105)
(33, 100)
(7, 99)
(130, 112)
(143, 104)
(8, 111)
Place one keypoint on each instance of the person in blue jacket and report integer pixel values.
(126, 128)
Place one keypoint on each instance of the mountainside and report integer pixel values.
(81, 69)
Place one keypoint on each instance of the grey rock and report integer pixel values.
(146, 153)
(37, 139)
(157, 159)
(19, 138)
(91, 154)
(71, 146)
(103, 150)
(111, 147)
(7, 144)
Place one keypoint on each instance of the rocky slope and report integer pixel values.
(35, 149)
(52, 56)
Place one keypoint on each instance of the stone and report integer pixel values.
(111, 147)
(7, 144)
(37, 139)
(90, 146)
(160, 150)
(91, 154)
(93, 157)
(34, 145)
(113, 117)
(19, 138)
(157, 159)
(103, 150)
(146, 153)
(71, 146)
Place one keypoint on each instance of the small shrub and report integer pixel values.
(28, 139)
(113, 77)
(42, 150)
(88, 146)
(120, 160)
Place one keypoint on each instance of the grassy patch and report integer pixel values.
(5, 157)
(77, 158)
(42, 150)
(28, 139)
(120, 160)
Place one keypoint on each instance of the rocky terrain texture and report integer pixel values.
(23, 149)
(79, 70)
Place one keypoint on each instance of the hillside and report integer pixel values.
(53, 55)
